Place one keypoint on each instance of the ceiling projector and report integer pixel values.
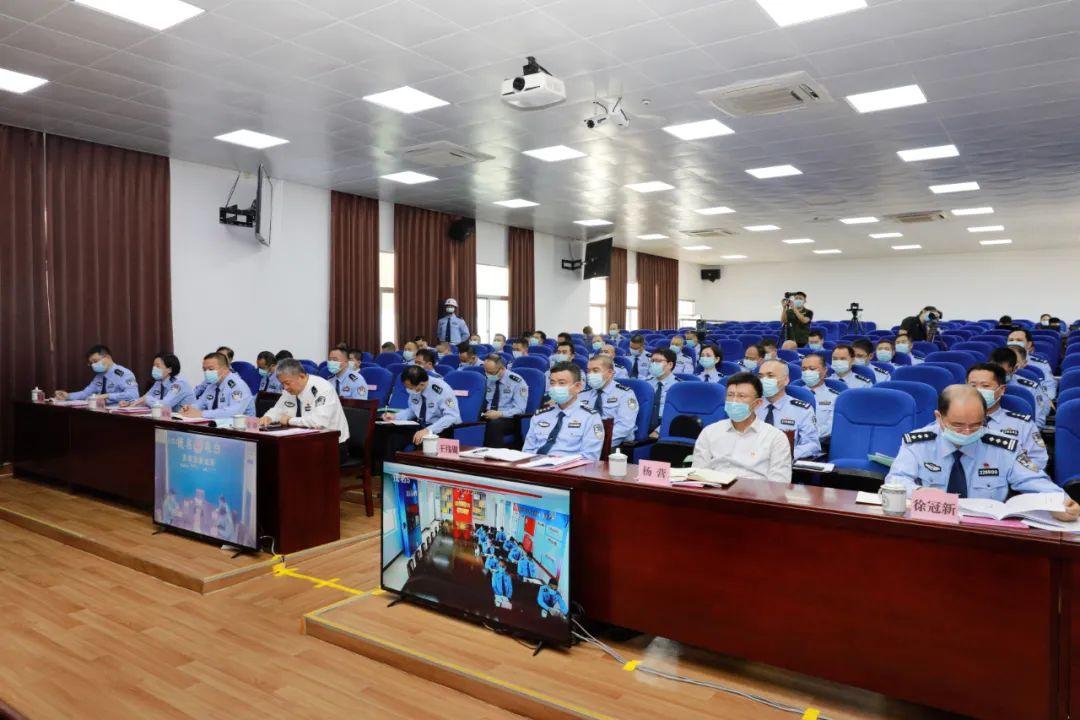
(534, 88)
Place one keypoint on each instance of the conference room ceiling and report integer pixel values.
(1001, 78)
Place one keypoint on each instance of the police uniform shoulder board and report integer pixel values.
(1037, 358)
(1000, 441)
(677, 379)
(118, 371)
(921, 436)
(1027, 382)
(590, 409)
(231, 383)
(620, 386)
(1018, 415)
(541, 411)
(515, 378)
(436, 387)
(863, 379)
(800, 403)
(833, 390)
(354, 376)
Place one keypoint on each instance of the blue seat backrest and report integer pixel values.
(1067, 395)
(508, 357)
(1067, 442)
(537, 384)
(478, 369)
(624, 363)
(473, 384)
(581, 361)
(731, 349)
(541, 350)
(550, 343)
(957, 370)
(1049, 350)
(794, 370)
(703, 400)
(1071, 361)
(787, 355)
(310, 367)
(452, 360)
(748, 340)
(365, 356)
(388, 358)
(901, 359)
(644, 393)
(935, 376)
(1015, 402)
(864, 371)
(728, 368)
(444, 370)
(981, 349)
(536, 362)
(687, 377)
(801, 392)
(923, 347)
(869, 420)
(1031, 373)
(963, 358)
(837, 385)
(925, 397)
(321, 371)
(1024, 395)
(399, 396)
(248, 373)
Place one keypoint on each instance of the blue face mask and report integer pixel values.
(657, 369)
(408, 355)
(595, 380)
(749, 364)
(770, 386)
(333, 366)
(884, 355)
(708, 362)
(902, 348)
(1017, 343)
(558, 357)
(98, 367)
(635, 353)
(597, 346)
(691, 343)
(811, 377)
(491, 378)
(352, 365)
(517, 354)
(210, 376)
(497, 344)
(414, 392)
(263, 372)
(815, 346)
(534, 341)
(841, 366)
(677, 349)
(560, 394)
(961, 440)
(157, 373)
(737, 411)
(799, 303)
(989, 396)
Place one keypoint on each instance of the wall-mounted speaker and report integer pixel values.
(461, 229)
(710, 274)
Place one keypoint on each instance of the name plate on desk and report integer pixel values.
(935, 506)
(448, 448)
(654, 472)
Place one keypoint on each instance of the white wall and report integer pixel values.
(492, 244)
(971, 286)
(691, 286)
(562, 297)
(227, 289)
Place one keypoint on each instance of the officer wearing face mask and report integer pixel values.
(989, 380)
(113, 381)
(265, 362)
(753, 356)
(564, 352)
(815, 342)
(639, 361)
(693, 345)
(683, 362)
(1021, 337)
(813, 378)
(661, 368)
(467, 355)
(451, 328)
(903, 347)
(169, 389)
(611, 399)
(785, 412)
(226, 393)
(613, 334)
(408, 351)
(710, 360)
(498, 343)
(567, 426)
(843, 357)
(426, 358)
(518, 349)
(862, 351)
(346, 382)
(596, 344)
(956, 454)
(431, 404)
(796, 317)
(505, 397)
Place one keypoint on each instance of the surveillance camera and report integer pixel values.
(595, 121)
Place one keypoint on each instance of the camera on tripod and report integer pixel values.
(932, 317)
(854, 308)
(855, 326)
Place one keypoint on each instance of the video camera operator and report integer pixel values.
(919, 327)
(796, 317)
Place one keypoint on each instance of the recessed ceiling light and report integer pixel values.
(251, 139)
(791, 12)
(409, 177)
(554, 153)
(832, 251)
(17, 82)
(516, 203)
(652, 236)
(986, 228)
(761, 228)
(158, 14)
(774, 171)
(725, 257)
(859, 220)
(907, 247)
(954, 188)
(699, 130)
(718, 210)
(973, 211)
(995, 242)
(896, 97)
(406, 99)
(799, 241)
(595, 222)
(650, 187)
(882, 236)
(928, 153)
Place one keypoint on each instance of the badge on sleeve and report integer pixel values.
(320, 401)
(237, 394)
(1027, 462)
(598, 431)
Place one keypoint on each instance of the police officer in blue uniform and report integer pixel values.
(226, 393)
(639, 360)
(863, 353)
(431, 403)
(113, 381)
(348, 383)
(611, 399)
(683, 363)
(426, 358)
(550, 601)
(661, 368)
(1011, 359)
(620, 371)
(843, 357)
(989, 380)
(505, 397)
(467, 356)
(788, 413)
(567, 426)
(266, 363)
(451, 328)
(1021, 337)
(169, 389)
(813, 378)
(710, 360)
(957, 455)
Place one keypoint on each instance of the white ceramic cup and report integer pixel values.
(239, 422)
(431, 444)
(893, 499)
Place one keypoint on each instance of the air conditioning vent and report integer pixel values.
(708, 233)
(921, 216)
(767, 96)
(441, 154)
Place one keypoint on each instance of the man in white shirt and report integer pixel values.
(307, 401)
(744, 444)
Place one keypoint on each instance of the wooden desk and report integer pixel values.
(962, 618)
(297, 475)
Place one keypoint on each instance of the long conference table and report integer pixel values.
(967, 618)
(297, 476)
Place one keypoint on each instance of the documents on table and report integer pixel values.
(813, 466)
(142, 409)
(1033, 508)
(868, 498)
(701, 477)
(503, 454)
(183, 418)
(553, 461)
(291, 431)
(70, 403)
(396, 422)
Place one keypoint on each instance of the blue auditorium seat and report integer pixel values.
(248, 373)
(1067, 442)
(865, 372)
(788, 356)
(963, 358)
(1031, 373)
(957, 370)
(310, 367)
(731, 348)
(801, 392)
(869, 420)
(1070, 362)
(925, 397)
(981, 349)
(469, 389)
(639, 447)
(452, 360)
(399, 396)
(535, 362)
(1070, 394)
(537, 382)
(388, 358)
(1018, 403)
(936, 377)
(1023, 395)
(479, 369)
(543, 350)
(624, 363)
(922, 348)
(687, 377)
(728, 368)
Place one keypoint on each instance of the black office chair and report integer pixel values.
(360, 415)
(264, 401)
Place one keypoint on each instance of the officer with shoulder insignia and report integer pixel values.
(813, 377)
(347, 383)
(467, 355)
(711, 356)
(567, 426)
(611, 399)
(426, 358)
(451, 328)
(843, 357)
(169, 389)
(863, 353)
(113, 381)
(1011, 359)
(505, 397)
(226, 393)
(1021, 337)
(661, 369)
(683, 363)
(308, 401)
(957, 455)
(639, 361)
(787, 413)
(989, 380)
(620, 371)
(431, 403)
(265, 362)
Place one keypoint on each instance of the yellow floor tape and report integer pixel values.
(281, 571)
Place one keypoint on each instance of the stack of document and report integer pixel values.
(396, 422)
(702, 477)
(553, 461)
(181, 418)
(1033, 509)
(503, 454)
(813, 466)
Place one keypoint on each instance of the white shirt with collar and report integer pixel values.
(761, 452)
(321, 408)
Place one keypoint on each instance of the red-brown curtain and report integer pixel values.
(522, 283)
(26, 350)
(658, 288)
(354, 271)
(429, 267)
(616, 290)
(108, 233)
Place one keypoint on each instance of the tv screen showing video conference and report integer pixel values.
(494, 550)
(205, 485)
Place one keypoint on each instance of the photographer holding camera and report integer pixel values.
(918, 327)
(796, 317)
